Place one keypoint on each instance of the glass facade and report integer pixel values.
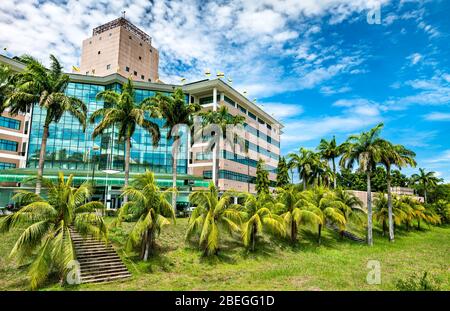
(9, 123)
(69, 148)
(6, 165)
(8, 145)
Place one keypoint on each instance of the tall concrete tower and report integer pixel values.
(120, 47)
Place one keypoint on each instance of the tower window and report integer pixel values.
(142, 77)
(98, 52)
(135, 73)
(108, 67)
(149, 80)
(140, 43)
(127, 69)
(110, 34)
(129, 37)
(151, 51)
(140, 58)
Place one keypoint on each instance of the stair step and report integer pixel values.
(105, 267)
(104, 271)
(95, 254)
(81, 252)
(105, 261)
(104, 277)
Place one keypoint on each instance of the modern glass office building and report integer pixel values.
(70, 148)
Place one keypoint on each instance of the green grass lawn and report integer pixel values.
(335, 265)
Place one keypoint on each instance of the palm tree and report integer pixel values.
(209, 215)
(150, 210)
(381, 211)
(295, 212)
(6, 84)
(258, 215)
(329, 150)
(354, 204)
(222, 119)
(302, 161)
(394, 155)
(425, 180)
(47, 225)
(175, 112)
(325, 205)
(282, 173)
(122, 111)
(262, 178)
(37, 84)
(364, 149)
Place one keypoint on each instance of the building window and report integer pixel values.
(90, 42)
(251, 115)
(93, 71)
(108, 67)
(100, 38)
(110, 34)
(8, 145)
(261, 121)
(10, 123)
(242, 109)
(140, 43)
(99, 52)
(129, 37)
(87, 72)
(140, 58)
(142, 77)
(135, 73)
(127, 69)
(149, 80)
(6, 165)
(151, 51)
(269, 126)
(25, 130)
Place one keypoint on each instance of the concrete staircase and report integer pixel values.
(98, 262)
(346, 234)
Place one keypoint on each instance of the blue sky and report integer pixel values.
(318, 65)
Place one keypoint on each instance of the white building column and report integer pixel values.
(214, 156)
(235, 200)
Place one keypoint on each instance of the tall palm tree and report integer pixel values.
(123, 111)
(175, 112)
(425, 180)
(295, 212)
(303, 162)
(258, 214)
(329, 150)
(210, 214)
(394, 155)
(150, 210)
(37, 84)
(365, 150)
(222, 119)
(47, 225)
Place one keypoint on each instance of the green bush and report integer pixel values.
(416, 282)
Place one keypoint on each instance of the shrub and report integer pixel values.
(416, 282)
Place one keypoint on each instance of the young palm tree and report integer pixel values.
(47, 223)
(425, 180)
(262, 178)
(303, 162)
(122, 111)
(258, 215)
(282, 180)
(323, 202)
(37, 84)
(175, 112)
(150, 210)
(210, 214)
(381, 211)
(296, 212)
(394, 155)
(329, 150)
(364, 149)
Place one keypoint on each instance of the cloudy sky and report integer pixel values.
(321, 66)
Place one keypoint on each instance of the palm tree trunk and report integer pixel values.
(320, 234)
(143, 245)
(174, 180)
(425, 194)
(127, 165)
(334, 174)
(384, 227)
(418, 224)
(148, 244)
(253, 237)
(40, 171)
(369, 212)
(389, 193)
(304, 182)
(293, 231)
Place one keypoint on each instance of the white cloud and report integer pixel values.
(415, 58)
(282, 110)
(437, 116)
